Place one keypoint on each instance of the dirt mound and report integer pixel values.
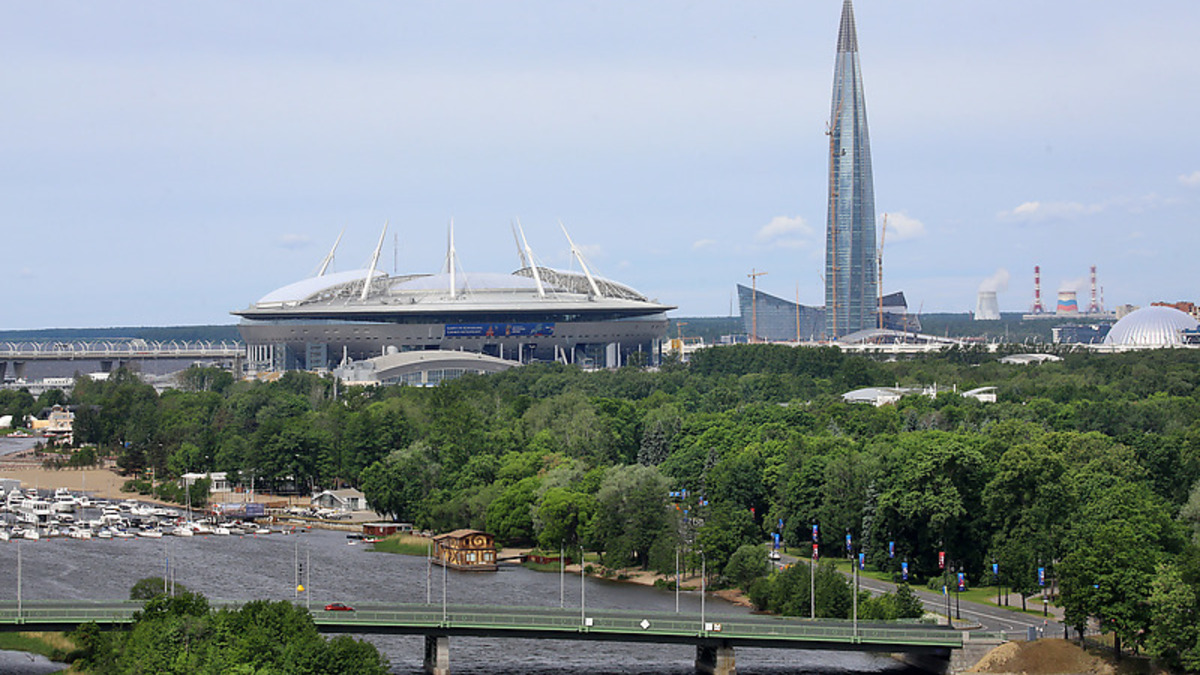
(1043, 657)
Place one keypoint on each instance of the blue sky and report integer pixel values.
(164, 163)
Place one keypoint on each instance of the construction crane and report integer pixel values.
(879, 277)
(754, 275)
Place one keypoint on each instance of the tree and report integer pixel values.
(746, 564)
(631, 513)
(1175, 616)
(1116, 543)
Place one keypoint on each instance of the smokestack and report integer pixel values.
(1094, 306)
(1038, 308)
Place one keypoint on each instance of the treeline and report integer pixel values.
(1085, 468)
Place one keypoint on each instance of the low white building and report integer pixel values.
(219, 480)
(348, 499)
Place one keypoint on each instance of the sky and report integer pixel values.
(165, 163)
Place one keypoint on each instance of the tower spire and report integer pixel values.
(851, 261)
(847, 34)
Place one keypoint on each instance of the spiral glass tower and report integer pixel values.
(851, 283)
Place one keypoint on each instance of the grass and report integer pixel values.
(51, 645)
(403, 544)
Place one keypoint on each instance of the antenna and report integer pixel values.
(527, 252)
(374, 261)
(329, 258)
(579, 256)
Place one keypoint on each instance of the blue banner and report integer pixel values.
(776, 534)
(891, 549)
(849, 547)
(862, 561)
(962, 582)
(499, 329)
(904, 570)
(1041, 576)
(814, 537)
(995, 570)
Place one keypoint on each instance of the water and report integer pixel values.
(242, 568)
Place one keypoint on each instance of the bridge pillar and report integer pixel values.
(19, 370)
(715, 659)
(3, 370)
(437, 654)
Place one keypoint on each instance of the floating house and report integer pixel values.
(468, 550)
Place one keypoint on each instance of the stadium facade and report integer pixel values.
(851, 283)
(533, 314)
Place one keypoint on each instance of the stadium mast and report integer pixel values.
(374, 261)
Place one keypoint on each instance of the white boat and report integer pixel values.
(4, 535)
(183, 531)
(34, 511)
(221, 529)
(31, 533)
(104, 533)
(123, 534)
(150, 534)
(79, 533)
(201, 528)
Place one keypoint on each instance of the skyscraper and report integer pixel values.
(851, 285)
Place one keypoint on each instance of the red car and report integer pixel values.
(338, 607)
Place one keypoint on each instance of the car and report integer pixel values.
(338, 607)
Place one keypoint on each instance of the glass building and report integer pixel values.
(851, 283)
(779, 320)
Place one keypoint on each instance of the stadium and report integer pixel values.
(536, 313)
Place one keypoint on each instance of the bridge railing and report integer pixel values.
(535, 619)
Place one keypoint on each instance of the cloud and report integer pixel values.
(998, 282)
(703, 243)
(1036, 212)
(901, 227)
(1190, 179)
(293, 241)
(791, 230)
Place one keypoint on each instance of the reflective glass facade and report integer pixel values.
(851, 284)
(779, 320)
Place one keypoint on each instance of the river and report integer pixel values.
(244, 568)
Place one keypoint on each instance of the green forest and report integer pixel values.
(1087, 468)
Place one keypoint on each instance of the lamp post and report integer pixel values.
(958, 586)
(703, 587)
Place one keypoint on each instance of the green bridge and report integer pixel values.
(714, 637)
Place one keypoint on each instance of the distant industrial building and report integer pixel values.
(1087, 334)
(851, 282)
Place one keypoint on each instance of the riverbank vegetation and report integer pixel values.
(1085, 469)
(182, 635)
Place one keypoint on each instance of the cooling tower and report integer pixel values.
(987, 307)
(1067, 303)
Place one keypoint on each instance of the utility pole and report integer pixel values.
(754, 275)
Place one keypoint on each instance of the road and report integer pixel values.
(989, 618)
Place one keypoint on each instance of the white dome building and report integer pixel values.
(1151, 327)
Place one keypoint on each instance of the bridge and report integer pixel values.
(112, 353)
(714, 637)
